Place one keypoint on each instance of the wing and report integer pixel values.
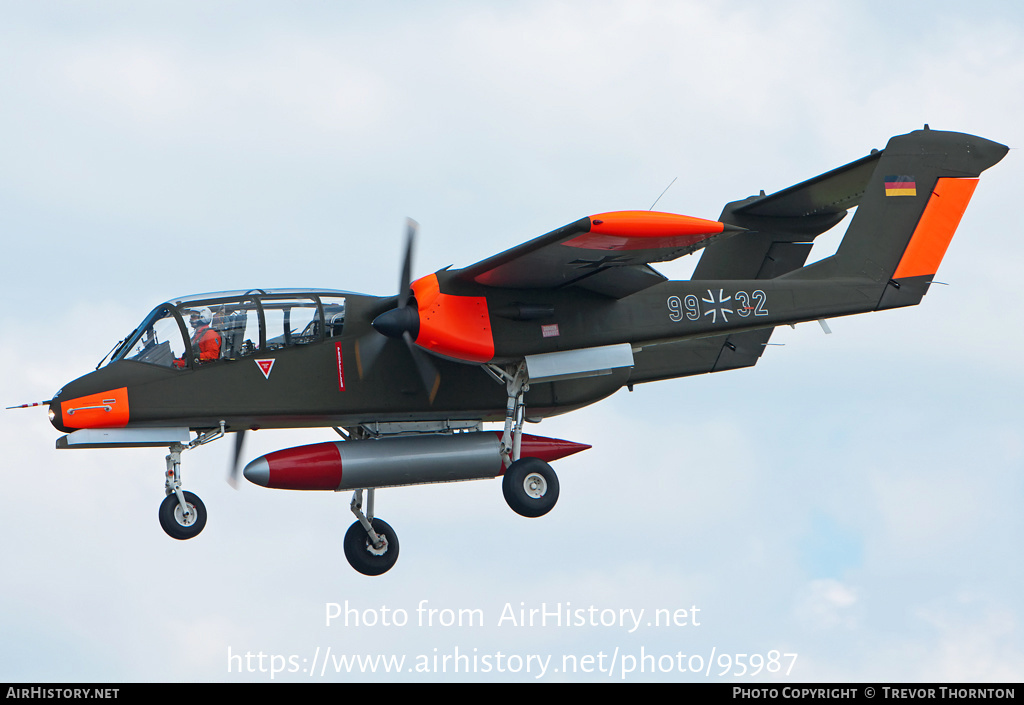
(608, 253)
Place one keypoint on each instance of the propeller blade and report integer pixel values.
(403, 322)
(425, 367)
(411, 227)
(236, 459)
(368, 349)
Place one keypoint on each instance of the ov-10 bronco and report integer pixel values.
(549, 326)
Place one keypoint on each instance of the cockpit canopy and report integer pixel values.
(198, 330)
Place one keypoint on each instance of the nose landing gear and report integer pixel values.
(182, 514)
(182, 517)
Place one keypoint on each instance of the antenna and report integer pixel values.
(662, 194)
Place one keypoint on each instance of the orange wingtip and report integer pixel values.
(645, 230)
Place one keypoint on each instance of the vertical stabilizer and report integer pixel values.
(910, 209)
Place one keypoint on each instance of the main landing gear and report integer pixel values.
(530, 485)
(371, 545)
(182, 514)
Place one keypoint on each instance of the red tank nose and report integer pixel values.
(548, 449)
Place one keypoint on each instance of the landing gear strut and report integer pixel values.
(371, 545)
(530, 485)
(182, 514)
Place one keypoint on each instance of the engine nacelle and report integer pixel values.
(391, 462)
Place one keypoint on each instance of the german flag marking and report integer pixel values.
(900, 185)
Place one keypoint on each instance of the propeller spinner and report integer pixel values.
(403, 321)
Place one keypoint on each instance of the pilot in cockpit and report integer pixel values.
(206, 341)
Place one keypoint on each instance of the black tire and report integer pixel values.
(530, 487)
(363, 556)
(172, 519)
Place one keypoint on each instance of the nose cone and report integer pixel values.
(258, 472)
(54, 415)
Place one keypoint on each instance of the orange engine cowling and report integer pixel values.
(454, 326)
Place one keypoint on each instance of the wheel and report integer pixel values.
(530, 487)
(363, 556)
(173, 521)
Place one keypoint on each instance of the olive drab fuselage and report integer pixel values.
(548, 326)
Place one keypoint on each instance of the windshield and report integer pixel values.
(158, 340)
(198, 331)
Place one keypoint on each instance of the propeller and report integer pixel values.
(403, 321)
(236, 459)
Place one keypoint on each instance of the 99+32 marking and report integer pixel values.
(718, 306)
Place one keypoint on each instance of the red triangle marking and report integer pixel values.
(265, 367)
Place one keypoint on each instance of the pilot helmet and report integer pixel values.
(200, 316)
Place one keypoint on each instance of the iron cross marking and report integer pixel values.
(717, 307)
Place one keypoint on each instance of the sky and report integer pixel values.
(847, 510)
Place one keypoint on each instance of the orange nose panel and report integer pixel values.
(103, 410)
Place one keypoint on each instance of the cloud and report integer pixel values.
(829, 604)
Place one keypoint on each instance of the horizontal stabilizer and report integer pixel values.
(781, 227)
(830, 193)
